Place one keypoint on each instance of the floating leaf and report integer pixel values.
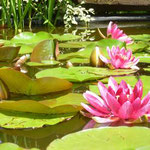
(79, 44)
(80, 74)
(8, 53)
(12, 146)
(18, 82)
(14, 119)
(79, 61)
(65, 37)
(43, 51)
(47, 134)
(3, 91)
(26, 49)
(137, 47)
(30, 38)
(85, 53)
(43, 107)
(113, 138)
(44, 64)
(73, 99)
(141, 37)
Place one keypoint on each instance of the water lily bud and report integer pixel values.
(95, 61)
(3, 91)
(69, 64)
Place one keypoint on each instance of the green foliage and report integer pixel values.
(18, 82)
(113, 138)
(81, 74)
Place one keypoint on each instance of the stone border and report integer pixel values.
(119, 2)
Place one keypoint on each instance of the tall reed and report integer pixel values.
(15, 13)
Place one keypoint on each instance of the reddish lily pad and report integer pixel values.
(8, 53)
(43, 51)
(18, 82)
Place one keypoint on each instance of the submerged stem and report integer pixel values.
(101, 34)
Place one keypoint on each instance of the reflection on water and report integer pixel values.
(41, 137)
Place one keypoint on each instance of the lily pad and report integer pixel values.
(73, 99)
(113, 138)
(15, 119)
(8, 53)
(18, 82)
(79, 44)
(79, 61)
(12, 146)
(141, 37)
(26, 49)
(43, 51)
(65, 37)
(44, 64)
(137, 47)
(64, 104)
(85, 53)
(80, 74)
(47, 134)
(30, 38)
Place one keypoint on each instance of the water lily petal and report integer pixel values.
(105, 120)
(146, 99)
(113, 104)
(92, 110)
(96, 101)
(126, 110)
(104, 59)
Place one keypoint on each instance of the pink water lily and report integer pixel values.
(116, 33)
(120, 58)
(118, 101)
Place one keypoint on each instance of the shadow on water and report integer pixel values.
(41, 137)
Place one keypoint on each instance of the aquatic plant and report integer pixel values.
(120, 58)
(116, 33)
(17, 13)
(116, 102)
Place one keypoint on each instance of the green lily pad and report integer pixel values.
(44, 64)
(18, 82)
(65, 37)
(63, 128)
(64, 104)
(141, 37)
(8, 53)
(73, 99)
(79, 61)
(79, 44)
(85, 53)
(143, 148)
(137, 47)
(145, 59)
(15, 119)
(94, 89)
(113, 138)
(12, 146)
(26, 49)
(80, 74)
(30, 38)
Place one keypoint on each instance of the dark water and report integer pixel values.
(41, 138)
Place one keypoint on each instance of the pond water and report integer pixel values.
(41, 138)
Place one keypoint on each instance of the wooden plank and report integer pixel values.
(119, 2)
